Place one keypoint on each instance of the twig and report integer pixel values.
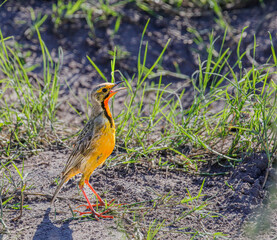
(21, 206)
(266, 177)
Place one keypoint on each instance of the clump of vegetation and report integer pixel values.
(28, 103)
(27, 115)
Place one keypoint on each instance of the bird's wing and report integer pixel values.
(83, 146)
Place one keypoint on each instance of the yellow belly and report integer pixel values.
(102, 148)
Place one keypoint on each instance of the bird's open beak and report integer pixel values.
(114, 91)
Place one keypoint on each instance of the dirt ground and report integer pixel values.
(136, 183)
(236, 203)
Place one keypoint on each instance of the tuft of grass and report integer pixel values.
(92, 11)
(64, 11)
(154, 228)
(27, 117)
(37, 22)
(29, 104)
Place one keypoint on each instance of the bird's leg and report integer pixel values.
(96, 214)
(98, 197)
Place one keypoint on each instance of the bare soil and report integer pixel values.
(228, 207)
(237, 205)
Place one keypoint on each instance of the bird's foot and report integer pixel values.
(97, 215)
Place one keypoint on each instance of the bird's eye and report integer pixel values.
(104, 90)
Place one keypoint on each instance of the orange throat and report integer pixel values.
(107, 111)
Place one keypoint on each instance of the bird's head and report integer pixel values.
(103, 92)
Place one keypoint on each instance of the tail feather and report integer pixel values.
(62, 182)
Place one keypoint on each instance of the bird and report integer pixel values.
(94, 144)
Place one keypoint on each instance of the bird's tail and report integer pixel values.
(58, 189)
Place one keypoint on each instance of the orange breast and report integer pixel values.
(106, 144)
(102, 149)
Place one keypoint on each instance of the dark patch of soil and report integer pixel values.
(232, 198)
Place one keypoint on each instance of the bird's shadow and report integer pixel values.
(46, 230)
